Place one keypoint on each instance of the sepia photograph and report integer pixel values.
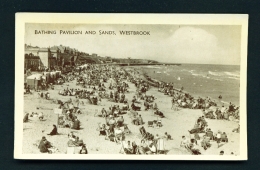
(131, 86)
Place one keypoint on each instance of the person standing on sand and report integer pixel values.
(237, 130)
(172, 104)
(41, 116)
(218, 138)
(26, 117)
(140, 120)
(104, 112)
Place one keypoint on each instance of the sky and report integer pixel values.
(196, 44)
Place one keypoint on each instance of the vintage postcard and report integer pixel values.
(131, 86)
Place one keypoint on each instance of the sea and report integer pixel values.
(201, 80)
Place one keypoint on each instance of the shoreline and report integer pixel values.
(146, 76)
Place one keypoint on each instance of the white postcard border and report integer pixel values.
(182, 19)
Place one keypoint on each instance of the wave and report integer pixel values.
(206, 76)
(196, 79)
(153, 67)
(236, 78)
(232, 74)
(218, 79)
(195, 74)
(213, 73)
(224, 102)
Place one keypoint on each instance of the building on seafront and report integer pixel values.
(60, 56)
(108, 59)
(45, 54)
(56, 53)
(28, 49)
(50, 57)
(39, 57)
(32, 62)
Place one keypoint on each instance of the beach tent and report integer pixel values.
(56, 75)
(160, 146)
(47, 75)
(34, 80)
(70, 150)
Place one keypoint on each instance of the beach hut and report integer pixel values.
(52, 77)
(44, 79)
(54, 74)
(34, 80)
(58, 74)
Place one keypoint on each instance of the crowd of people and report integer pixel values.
(203, 135)
(91, 80)
(181, 99)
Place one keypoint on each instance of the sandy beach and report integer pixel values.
(175, 123)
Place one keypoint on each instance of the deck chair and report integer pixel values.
(90, 101)
(96, 113)
(138, 100)
(208, 139)
(155, 107)
(206, 143)
(122, 149)
(99, 126)
(71, 106)
(189, 150)
(118, 135)
(122, 128)
(210, 135)
(143, 132)
(53, 150)
(150, 123)
(70, 150)
(159, 123)
(125, 129)
(133, 113)
(160, 146)
(61, 122)
(176, 107)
